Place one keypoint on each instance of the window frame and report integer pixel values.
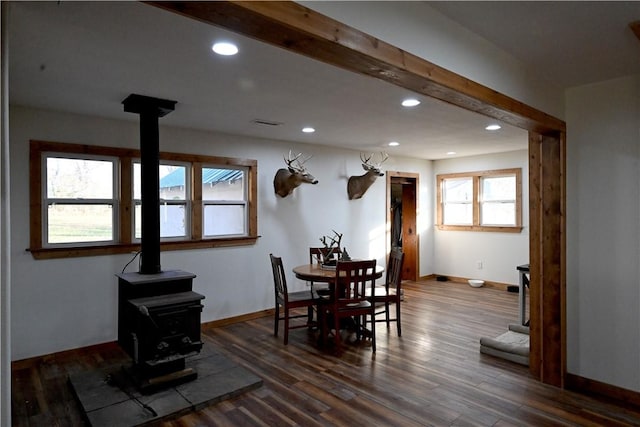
(186, 202)
(123, 228)
(209, 202)
(477, 201)
(66, 201)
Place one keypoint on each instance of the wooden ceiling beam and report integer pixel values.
(303, 31)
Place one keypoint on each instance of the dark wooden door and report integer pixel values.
(409, 235)
(402, 207)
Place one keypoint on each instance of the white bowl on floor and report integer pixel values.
(475, 283)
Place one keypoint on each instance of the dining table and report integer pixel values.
(316, 273)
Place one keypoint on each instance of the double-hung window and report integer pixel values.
(457, 201)
(174, 200)
(498, 200)
(80, 200)
(224, 201)
(480, 201)
(86, 200)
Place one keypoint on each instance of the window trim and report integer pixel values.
(124, 230)
(476, 202)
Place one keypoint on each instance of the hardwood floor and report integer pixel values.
(433, 375)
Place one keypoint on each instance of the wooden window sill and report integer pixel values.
(499, 229)
(82, 251)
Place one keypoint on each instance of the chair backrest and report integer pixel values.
(352, 280)
(279, 278)
(394, 270)
(316, 255)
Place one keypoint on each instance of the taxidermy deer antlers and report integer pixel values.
(286, 180)
(358, 185)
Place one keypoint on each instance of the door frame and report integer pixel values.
(298, 29)
(416, 177)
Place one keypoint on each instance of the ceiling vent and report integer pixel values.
(266, 122)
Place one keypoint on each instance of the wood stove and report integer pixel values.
(158, 312)
(165, 328)
(159, 326)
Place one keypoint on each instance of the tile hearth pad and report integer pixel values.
(108, 397)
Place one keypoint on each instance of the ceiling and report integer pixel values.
(570, 43)
(86, 57)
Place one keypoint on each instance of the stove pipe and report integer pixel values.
(149, 109)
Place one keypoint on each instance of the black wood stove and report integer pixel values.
(159, 326)
(158, 312)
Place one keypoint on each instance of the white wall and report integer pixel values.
(67, 303)
(5, 259)
(457, 252)
(419, 29)
(603, 232)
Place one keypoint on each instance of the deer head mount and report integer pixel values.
(358, 185)
(286, 180)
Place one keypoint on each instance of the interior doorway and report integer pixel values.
(402, 208)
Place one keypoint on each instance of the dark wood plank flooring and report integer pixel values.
(433, 375)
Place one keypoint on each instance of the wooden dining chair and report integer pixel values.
(391, 292)
(289, 301)
(349, 299)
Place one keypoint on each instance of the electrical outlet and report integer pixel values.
(479, 265)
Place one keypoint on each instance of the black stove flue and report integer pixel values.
(149, 109)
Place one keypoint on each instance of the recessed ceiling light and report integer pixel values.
(410, 102)
(450, 153)
(394, 144)
(225, 48)
(308, 130)
(493, 127)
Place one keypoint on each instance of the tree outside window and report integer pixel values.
(79, 200)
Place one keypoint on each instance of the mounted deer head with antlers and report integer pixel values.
(286, 180)
(358, 185)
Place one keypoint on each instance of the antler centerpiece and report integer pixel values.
(331, 245)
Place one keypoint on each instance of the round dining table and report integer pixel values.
(315, 273)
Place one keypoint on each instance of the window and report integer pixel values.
(480, 201)
(86, 200)
(498, 200)
(224, 201)
(174, 204)
(458, 201)
(79, 200)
